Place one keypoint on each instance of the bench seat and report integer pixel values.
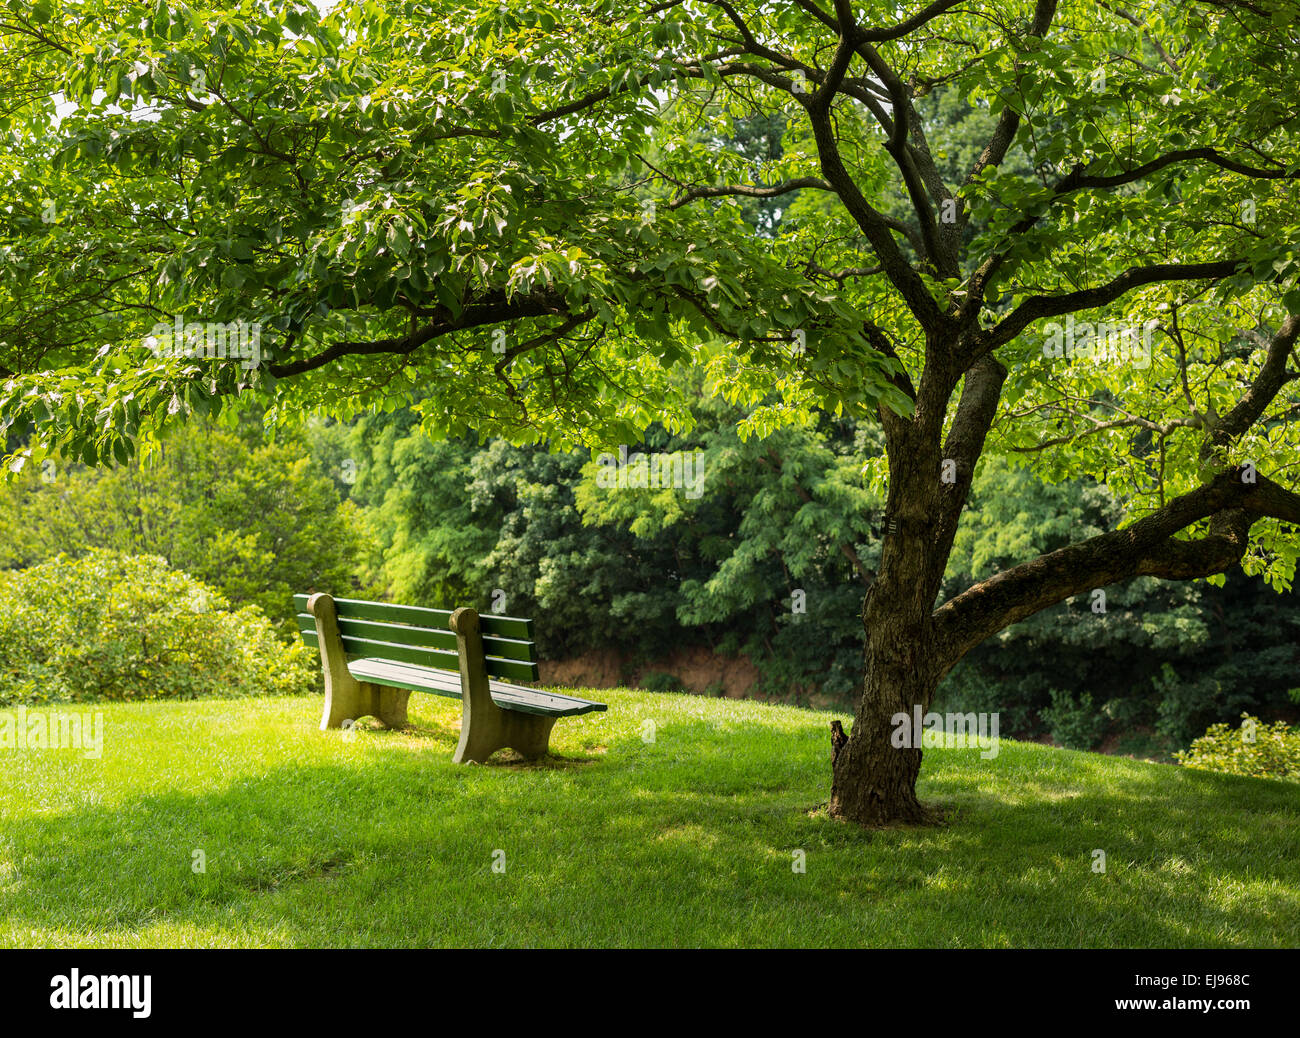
(447, 683)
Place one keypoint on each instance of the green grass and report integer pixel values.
(314, 839)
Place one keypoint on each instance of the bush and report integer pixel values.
(112, 626)
(1016, 700)
(659, 681)
(257, 521)
(1255, 749)
(1188, 704)
(1074, 723)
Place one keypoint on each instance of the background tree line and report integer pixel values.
(768, 565)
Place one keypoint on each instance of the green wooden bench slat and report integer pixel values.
(428, 658)
(406, 675)
(399, 634)
(489, 623)
(506, 696)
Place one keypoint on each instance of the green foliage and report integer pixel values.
(432, 530)
(661, 681)
(1017, 699)
(1183, 701)
(1257, 749)
(394, 160)
(257, 520)
(112, 626)
(457, 522)
(643, 571)
(1074, 723)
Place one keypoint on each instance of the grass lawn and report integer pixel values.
(317, 839)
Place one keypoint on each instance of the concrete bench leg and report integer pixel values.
(530, 734)
(527, 733)
(485, 727)
(346, 698)
(346, 702)
(390, 707)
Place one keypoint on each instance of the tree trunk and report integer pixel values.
(874, 781)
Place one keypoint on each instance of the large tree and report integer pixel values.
(522, 217)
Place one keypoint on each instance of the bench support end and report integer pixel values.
(346, 698)
(529, 734)
(485, 727)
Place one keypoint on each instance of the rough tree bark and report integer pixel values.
(873, 782)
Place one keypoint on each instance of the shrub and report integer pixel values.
(1015, 699)
(1074, 723)
(112, 626)
(258, 521)
(1255, 749)
(1189, 703)
(659, 681)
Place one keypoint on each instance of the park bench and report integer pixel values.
(375, 655)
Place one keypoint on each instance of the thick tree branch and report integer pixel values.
(1272, 377)
(492, 308)
(976, 410)
(1148, 547)
(1037, 307)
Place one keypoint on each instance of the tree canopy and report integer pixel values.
(409, 200)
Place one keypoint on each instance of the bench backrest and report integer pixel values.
(409, 634)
